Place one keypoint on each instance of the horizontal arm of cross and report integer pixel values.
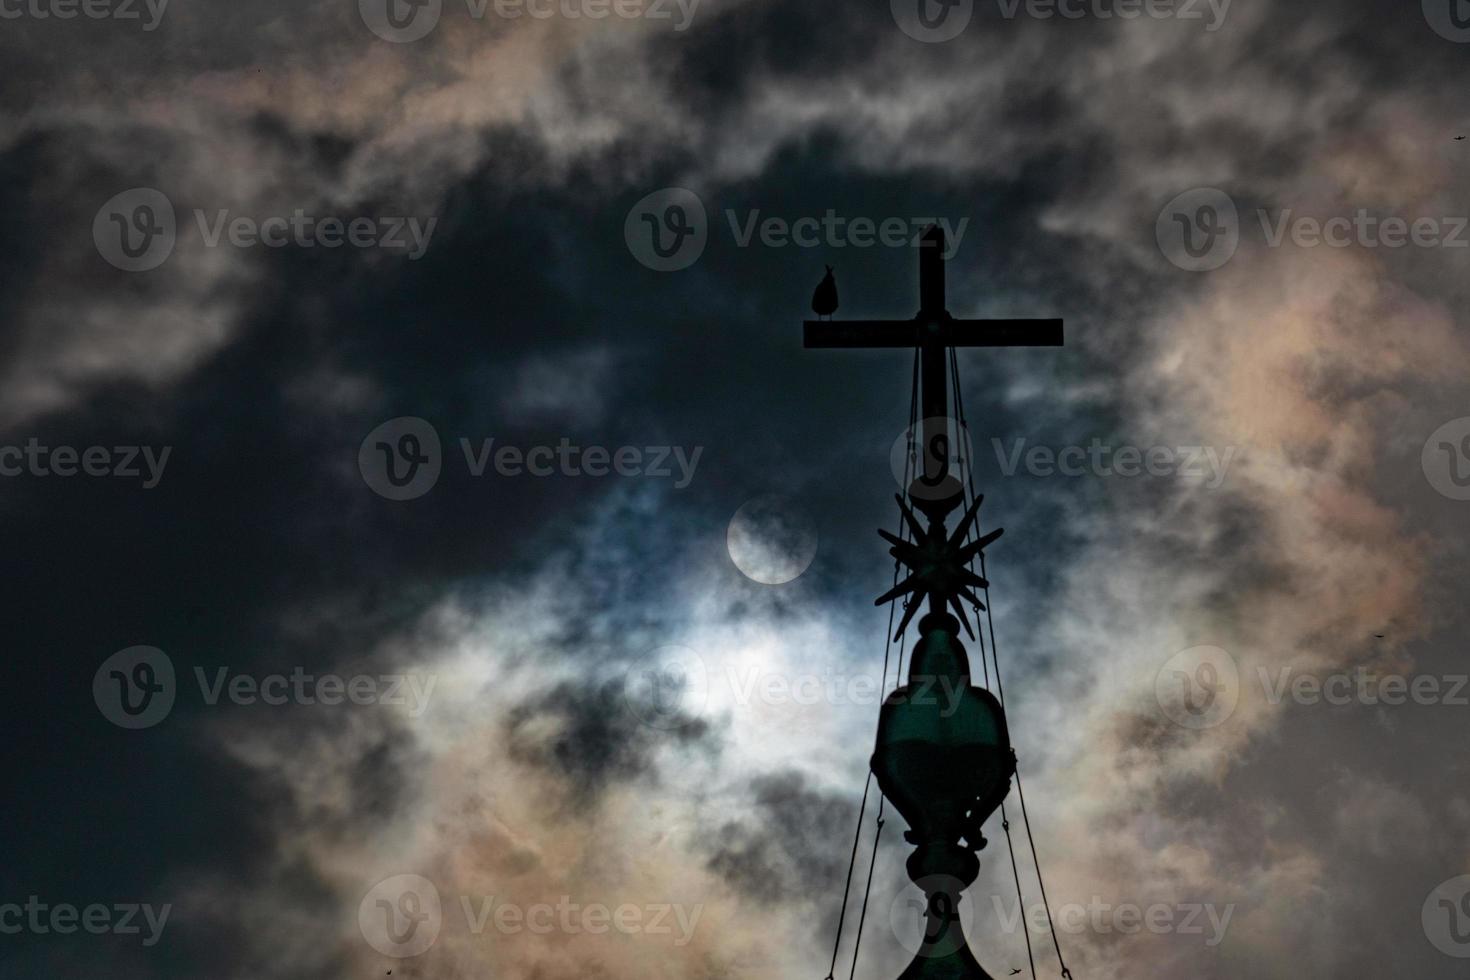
(949, 332)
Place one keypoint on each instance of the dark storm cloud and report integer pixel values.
(595, 738)
(789, 847)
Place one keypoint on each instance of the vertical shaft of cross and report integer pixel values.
(931, 272)
(934, 376)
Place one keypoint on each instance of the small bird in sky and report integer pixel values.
(1378, 635)
(824, 297)
(1458, 138)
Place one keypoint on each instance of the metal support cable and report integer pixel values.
(909, 463)
(1021, 793)
(872, 864)
(1000, 692)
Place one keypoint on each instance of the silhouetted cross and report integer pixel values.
(933, 331)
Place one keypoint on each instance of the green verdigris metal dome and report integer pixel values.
(944, 760)
(943, 755)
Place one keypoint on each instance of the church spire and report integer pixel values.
(944, 762)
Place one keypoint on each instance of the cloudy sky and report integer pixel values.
(364, 452)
